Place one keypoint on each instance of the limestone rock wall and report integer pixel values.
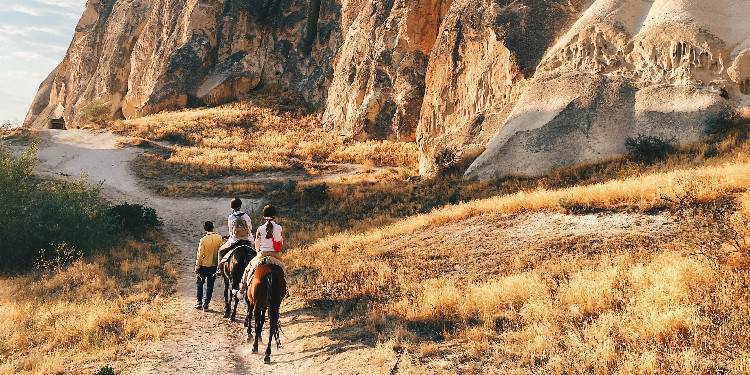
(536, 84)
(145, 56)
(485, 53)
(657, 68)
(379, 73)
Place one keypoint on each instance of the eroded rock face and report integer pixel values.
(145, 56)
(626, 68)
(485, 54)
(536, 84)
(379, 79)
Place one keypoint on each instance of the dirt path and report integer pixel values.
(201, 342)
(205, 343)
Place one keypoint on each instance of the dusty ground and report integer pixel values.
(205, 343)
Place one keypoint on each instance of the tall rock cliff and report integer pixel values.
(144, 56)
(664, 68)
(536, 84)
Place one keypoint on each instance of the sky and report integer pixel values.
(34, 35)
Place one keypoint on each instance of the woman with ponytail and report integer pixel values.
(270, 236)
(268, 241)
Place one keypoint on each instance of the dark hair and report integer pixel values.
(209, 226)
(236, 203)
(269, 211)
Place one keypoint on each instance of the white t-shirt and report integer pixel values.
(265, 244)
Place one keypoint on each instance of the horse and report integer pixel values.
(232, 271)
(265, 291)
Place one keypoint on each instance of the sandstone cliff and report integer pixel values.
(144, 56)
(538, 83)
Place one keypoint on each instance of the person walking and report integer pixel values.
(240, 227)
(205, 264)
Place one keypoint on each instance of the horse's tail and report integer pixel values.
(273, 310)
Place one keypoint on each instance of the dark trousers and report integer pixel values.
(208, 277)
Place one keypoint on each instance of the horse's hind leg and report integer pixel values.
(249, 324)
(273, 322)
(259, 318)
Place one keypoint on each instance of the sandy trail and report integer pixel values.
(201, 342)
(205, 343)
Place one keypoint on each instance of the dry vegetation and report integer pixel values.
(675, 303)
(108, 309)
(271, 131)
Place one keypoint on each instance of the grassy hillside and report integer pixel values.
(633, 303)
(84, 284)
(396, 254)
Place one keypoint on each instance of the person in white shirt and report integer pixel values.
(240, 227)
(269, 239)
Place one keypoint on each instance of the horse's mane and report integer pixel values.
(243, 252)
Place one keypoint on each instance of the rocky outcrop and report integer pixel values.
(485, 54)
(144, 56)
(626, 68)
(379, 75)
(536, 84)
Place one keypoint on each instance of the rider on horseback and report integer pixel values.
(268, 241)
(239, 232)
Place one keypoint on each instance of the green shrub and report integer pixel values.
(44, 222)
(106, 370)
(648, 149)
(97, 112)
(135, 218)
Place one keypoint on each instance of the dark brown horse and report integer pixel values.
(265, 291)
(233, 270)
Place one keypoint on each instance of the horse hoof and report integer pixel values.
(255, 349)
(267, 359)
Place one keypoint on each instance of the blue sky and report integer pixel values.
(34, 35)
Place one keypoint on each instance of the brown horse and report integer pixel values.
(232, 271)
(265, 291)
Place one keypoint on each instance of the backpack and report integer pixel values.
(239, 227)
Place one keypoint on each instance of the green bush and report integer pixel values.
(44, 222)
(648, 149)
(134, 218)
(97, 112)
(106, 370)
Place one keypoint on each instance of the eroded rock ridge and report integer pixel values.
(532, 85)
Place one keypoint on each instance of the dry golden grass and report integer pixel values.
(247, 138)
(108, 310)
(629, 305)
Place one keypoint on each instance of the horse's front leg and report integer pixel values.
(234, 310)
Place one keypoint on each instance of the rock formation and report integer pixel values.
(536, 84)
(626, 68)
(145, 56)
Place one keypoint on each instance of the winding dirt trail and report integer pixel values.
(203, 342)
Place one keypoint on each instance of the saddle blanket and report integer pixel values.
(270, 260)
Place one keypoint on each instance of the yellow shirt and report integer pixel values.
(208, 250)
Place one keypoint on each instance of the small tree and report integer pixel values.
(97, 112)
